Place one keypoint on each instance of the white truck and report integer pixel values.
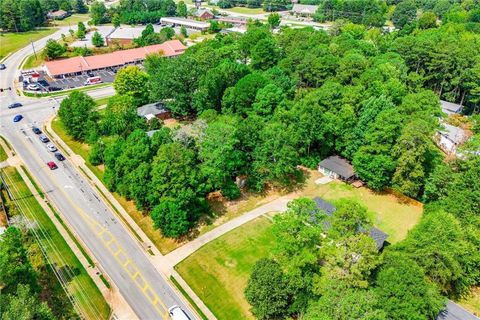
(176, 313)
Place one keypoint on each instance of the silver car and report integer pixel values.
(51, 147)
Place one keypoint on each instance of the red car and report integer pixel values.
(52, 165)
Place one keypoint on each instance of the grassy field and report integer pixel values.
(393, 214)
(244, 10)
(79, 284)
(11, 42)
(72, 21)
(218, 272)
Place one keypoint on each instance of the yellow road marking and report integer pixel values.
(99, 230)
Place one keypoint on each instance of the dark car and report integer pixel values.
(52, 165)
(59, 156)
(36, 130)
(15, 105)
(43, 83)
(54, 88)
(2, 66)
(43, 138)
(17, 118)
(90, 74)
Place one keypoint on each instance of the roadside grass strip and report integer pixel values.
(80, 288)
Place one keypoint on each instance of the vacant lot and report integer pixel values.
(71, 21)
(219, 271)
(80, 285)
(11, 42)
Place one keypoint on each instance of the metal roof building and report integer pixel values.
(187, 23)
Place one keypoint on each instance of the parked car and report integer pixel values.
(43, 83)
(43, 138)
(36, 130)
(51, 147)
(59, 156)
(17, 118)
(52, 165)
(90, 74)
(176, 313)
(2, 66)
(54, 88)
(33, 87)
(15, 105)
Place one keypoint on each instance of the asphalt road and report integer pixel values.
(117, 252)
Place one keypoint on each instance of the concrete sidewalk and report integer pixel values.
(176, 256)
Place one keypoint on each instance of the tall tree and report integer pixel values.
(53, 49)
(131, 81)
(78, 115)
(97, 12)
(97, 39)
(80, 7)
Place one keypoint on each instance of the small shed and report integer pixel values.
(336, 167)
(450, 107)
(376, 234)
(154, 110)
(453, 311)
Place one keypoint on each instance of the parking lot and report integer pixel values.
(45, 83)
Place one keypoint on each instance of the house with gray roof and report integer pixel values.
(336, 167)
(154, 110)
(376, 234)
(455, 312)
(450, 107)
(450, 138)
(305, 10)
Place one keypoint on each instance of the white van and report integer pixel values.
(176, 313)
(93, 80)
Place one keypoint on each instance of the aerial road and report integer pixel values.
(121, 257)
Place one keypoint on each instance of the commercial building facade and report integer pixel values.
(78, 65)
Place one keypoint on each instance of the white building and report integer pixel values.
(187, 23)
(450, 108)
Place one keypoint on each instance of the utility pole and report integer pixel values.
(33, 47)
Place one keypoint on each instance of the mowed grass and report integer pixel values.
(393, 214)
(79, 283)
(11, 41)
(218, 272)
(71, 21)
(244, 10)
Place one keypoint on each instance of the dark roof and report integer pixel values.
(376, 234)
(338, 165)
(454, 312)
(325, 206)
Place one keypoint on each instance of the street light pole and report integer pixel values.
(33, 47)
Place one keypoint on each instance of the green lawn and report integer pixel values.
(11, 41)
(72, 21)
(244, 10)
(219, 271)
(80, 285)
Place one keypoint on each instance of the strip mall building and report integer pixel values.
(78, 65)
